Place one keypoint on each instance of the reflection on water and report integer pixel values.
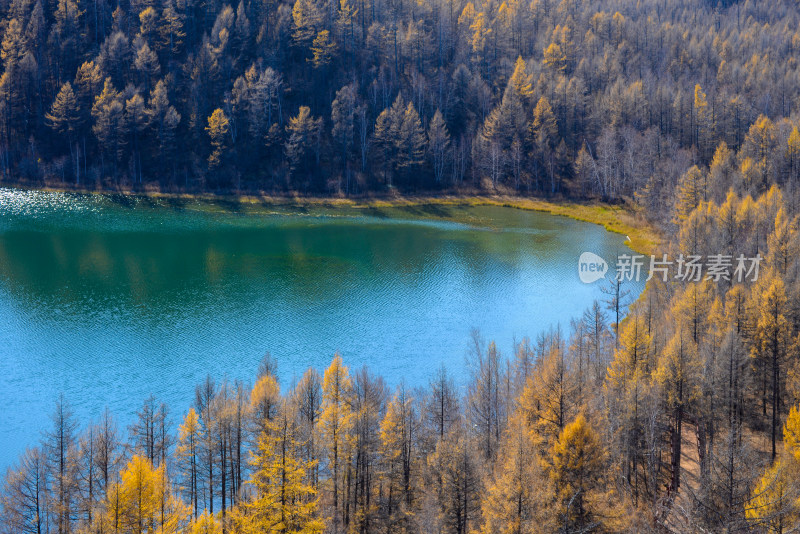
(109, 298)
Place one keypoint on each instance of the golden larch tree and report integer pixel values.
(335, 425)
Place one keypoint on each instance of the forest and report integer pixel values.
(682, 417)
(605, 99)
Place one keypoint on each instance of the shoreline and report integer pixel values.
(619, 219)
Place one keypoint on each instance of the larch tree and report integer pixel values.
(164, 119)
(109, 127)
(343, 110)
(368, 402)
(171, 29)
(576, 466)
(307, 18)
(442, 403)
(517, 492)
(323, 49)
(335, 426)
(146, 63)
(455, 468)
(64, 118)
(793, 154)
(218, 128)
(396, 433)
(782, 245)
(544, 132)
(284, 502)
(692, 190)
(265, 400)
(626, 393)
(307, 397)
(187, 456)
(61, 450)
(142, 501)
(486, 400)
(387, 134)
(303, 132)
(25, 506)
(678, 374)
(138, 120)
(773, 504)
(148, 25)
(410, 142)
(772, 343)
(758, 146)
(205, 524)
(549, 399)
(438, 145)
(704, 120)
(204, 403)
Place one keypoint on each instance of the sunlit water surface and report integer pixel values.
(111, 299)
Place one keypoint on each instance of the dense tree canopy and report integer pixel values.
(678, 412)
(610, 99)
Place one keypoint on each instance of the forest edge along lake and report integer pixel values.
(110, 298)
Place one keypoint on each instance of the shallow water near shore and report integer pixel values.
(108, 299)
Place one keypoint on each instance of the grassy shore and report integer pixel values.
(621, 219)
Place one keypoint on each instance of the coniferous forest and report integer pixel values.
(682, 417)
(603, 99)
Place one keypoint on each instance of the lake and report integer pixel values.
(109, 298)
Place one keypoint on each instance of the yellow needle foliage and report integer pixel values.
(576, 467)
(336, 422)
(284, 502)
(515, 498)
(773, 505)
(142, 502)
(205, 524)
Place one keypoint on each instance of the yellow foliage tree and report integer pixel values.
(773, 505)
(691, 308)
(520, 83)
(692, 190)
(634, 352)
(554, 58)
(322, 49)
(758, 145)
(703, 119)
(517, 492)
(205, 524)
(576, 466)
(791, 432)
(793, 153)
(772, 340)
(782, 244)
(626, 385)
(284, 503)
(217, 129)
(186, 452)
(678, 374)
(307, 17)
(142, 502)
(395, 434)
(480, 32)
(336, 424)
(544, 127)
(265, 400)
(549, 398)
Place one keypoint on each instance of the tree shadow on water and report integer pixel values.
(428, 210)
(228, 205)
(123, 200)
